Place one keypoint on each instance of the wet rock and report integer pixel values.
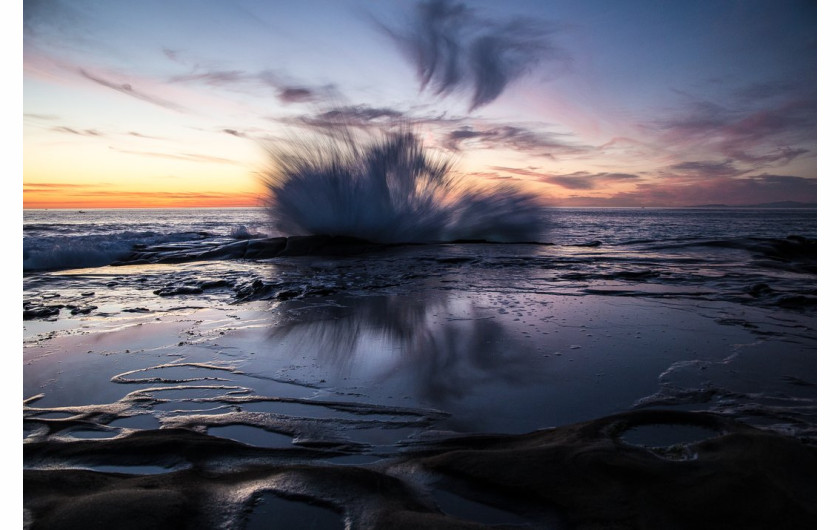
(264, 248)
(81, 310)
(255, 290)
(174, 290)
(327, 246)
(759, 289)
(583, 476)
(214, 284)
(36, 312)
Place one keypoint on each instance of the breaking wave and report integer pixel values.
(91, 250)
(390, 190)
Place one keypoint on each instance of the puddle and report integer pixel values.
(273, 512)
(138, 470)
(141, 421)
(459, 507)
(251, 436)
(666, 435)
(91, 434)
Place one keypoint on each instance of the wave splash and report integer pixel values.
(390, 190)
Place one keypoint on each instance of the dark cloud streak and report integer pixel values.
(70, 130)
(127, 89)
(453, 49)
(512, 137)
(356, 116)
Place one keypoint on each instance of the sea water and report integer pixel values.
(758, 256)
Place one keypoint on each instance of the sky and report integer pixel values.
(585, 103)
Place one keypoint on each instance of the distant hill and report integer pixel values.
(780, 204)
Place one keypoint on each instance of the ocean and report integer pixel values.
(753, 256)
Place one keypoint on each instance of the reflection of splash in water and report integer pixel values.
(438, 347)
(389, 190)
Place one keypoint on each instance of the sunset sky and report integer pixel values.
(586, 103)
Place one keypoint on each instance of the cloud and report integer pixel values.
(213, 78)
(58, 187)
(453, 49)
(284, 90)
(45, 117)
(69, 130)
(777, 157)
(234, 132)
(295, 95)
(770, 129)
(140, 135)
(703, 169)
(511, 137)
(190, 157)
(764, 188)
(357, 116)
(191, 195)
(127, 89)
(583, 180)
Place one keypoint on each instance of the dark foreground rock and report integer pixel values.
(582, 476)
(267, 248)
(253, 249)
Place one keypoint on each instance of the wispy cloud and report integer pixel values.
(167, 195)
(356, 116)
(59, 186)
(579, 180)
(765, 188)
(296, 95)
(285, 90)
(511, 137)
(141, 135)
(769, 129)
(190, 157)
(588, 181)
(213, 78)
(234, 132)
(41, 117)
(128, 90)
(703, 169)
(454, 49)
(70, 130)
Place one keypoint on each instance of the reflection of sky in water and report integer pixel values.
(504, 362)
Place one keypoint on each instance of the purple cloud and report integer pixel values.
(511, 137)
(453, 49)
(127, 89)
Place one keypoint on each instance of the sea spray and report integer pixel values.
(390, 189)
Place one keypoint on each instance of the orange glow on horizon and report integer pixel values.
(39, 200)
